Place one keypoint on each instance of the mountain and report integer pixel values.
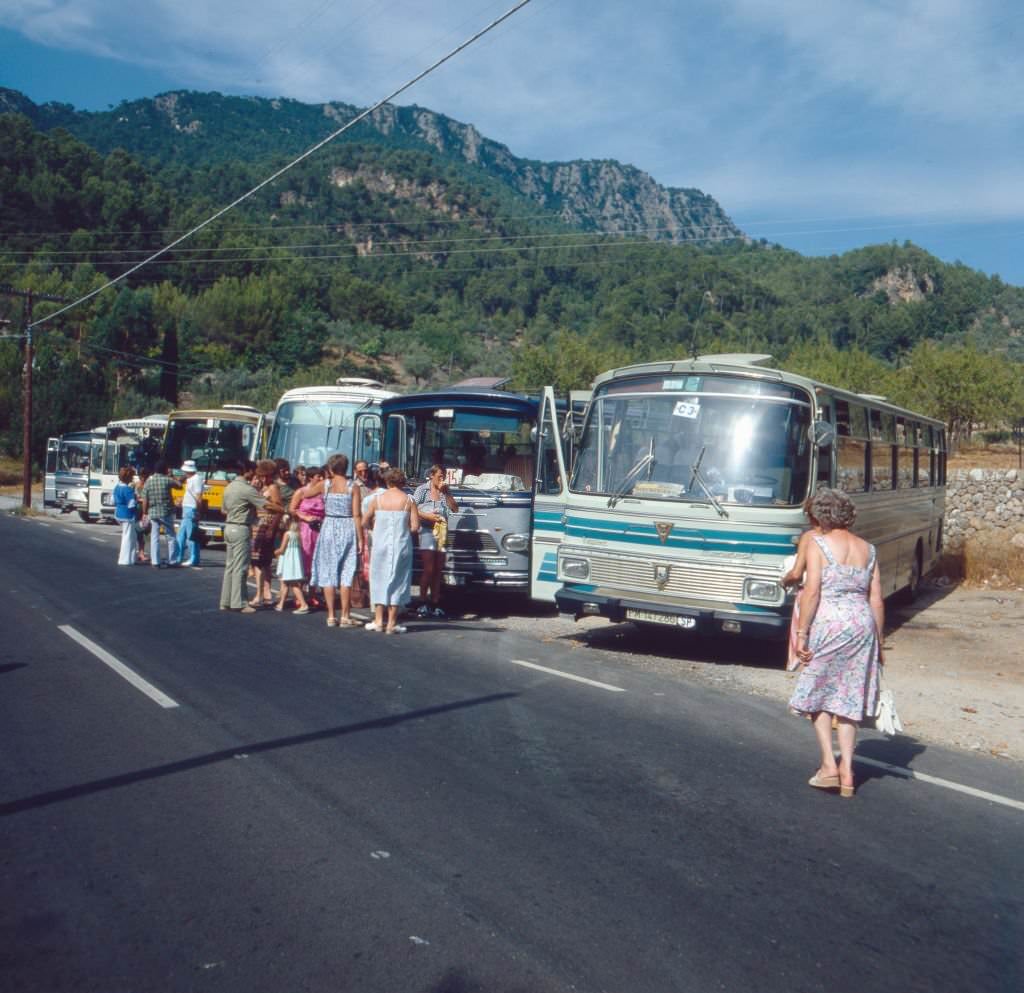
(204, 128)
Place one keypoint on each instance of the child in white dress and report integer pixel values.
(289, 568)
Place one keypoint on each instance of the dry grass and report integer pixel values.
(985, 457)
(987, 559)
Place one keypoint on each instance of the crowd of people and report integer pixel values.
(330, 540)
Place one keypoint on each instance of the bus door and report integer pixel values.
(550, 490)
(50, 477)
(367, 439)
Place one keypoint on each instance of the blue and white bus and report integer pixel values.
(687, 490)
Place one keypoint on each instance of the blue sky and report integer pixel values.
(819, 124)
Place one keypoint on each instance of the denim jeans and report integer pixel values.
(186, 536)
(154, 539)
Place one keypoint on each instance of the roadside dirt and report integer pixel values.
(955, 662)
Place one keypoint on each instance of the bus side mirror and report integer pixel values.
(824, 434)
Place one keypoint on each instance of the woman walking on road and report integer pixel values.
(334, 561)
(394, 518)
(839, 640)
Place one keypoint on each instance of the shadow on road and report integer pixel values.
(255, 748)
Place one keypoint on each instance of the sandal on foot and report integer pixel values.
(823, 782)
(301, 610)
(846, 791)
(349, 622)
(332, 622)
(373, 626)
(397, 629)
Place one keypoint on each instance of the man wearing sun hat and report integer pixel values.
(191, 504)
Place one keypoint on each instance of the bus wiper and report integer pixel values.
(695, 468)
(313, 407)
(647, 459)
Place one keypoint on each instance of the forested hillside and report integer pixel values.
(416, 262)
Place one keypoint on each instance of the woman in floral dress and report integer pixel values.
(839, 641)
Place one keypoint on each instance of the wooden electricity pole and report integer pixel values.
(30, 297)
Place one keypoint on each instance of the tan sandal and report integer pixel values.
(823, 782)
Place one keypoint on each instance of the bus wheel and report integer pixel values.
(84, 514)
(909, 593)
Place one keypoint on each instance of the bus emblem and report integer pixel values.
(661, 573)
(664, 529)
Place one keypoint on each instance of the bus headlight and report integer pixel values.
(762, 589)
(572, 567)
(515, 542)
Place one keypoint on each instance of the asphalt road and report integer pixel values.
(335, 810)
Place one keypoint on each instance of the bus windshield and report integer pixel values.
(73, 456)
(480, 450)
(214, 443)
(309, 432)
(720, 447)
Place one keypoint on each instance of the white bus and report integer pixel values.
(134, 442)
(312, 423)
(688, 484)
(66, 479)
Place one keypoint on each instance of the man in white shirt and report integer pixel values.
(191, 505)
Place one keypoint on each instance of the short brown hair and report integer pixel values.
(337, 464)
(267, 468)
(833, 509)
(393, 477)
(126, 474)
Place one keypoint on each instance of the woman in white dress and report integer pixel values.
(393, 517)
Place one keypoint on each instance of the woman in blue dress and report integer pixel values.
(338, 547)
(394, 518)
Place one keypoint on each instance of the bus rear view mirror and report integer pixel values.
(824, 434)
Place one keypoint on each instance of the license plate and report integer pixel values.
(452, 580)
(650, 617)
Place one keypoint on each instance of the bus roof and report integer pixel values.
(351, 390)
(226, 413)
(464, 397)
(752, 365)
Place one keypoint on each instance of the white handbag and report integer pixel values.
(886, 719)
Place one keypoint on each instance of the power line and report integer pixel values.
(280, 172)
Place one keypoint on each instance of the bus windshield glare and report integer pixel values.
(485, 451)
(309, 432)
(724, 446)
(214, 443)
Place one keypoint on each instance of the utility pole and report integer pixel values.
(30, 297)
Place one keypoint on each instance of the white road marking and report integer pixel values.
(100, 540)
(119, 667)
(898, 770)
(566, 675)
(68, 530)
(44, 524)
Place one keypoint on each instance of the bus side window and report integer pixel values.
(851, 450)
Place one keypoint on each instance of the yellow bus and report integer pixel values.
(215, 439)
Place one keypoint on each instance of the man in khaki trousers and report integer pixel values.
(240, 503)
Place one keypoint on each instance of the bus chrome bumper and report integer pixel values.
(692, 616)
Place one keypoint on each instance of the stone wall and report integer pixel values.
(984, 500)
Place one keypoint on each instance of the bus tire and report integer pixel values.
(909, 592)
(84, 515)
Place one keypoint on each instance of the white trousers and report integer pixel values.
(128, 544)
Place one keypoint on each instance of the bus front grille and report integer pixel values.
(471, 541)
(685, 579)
